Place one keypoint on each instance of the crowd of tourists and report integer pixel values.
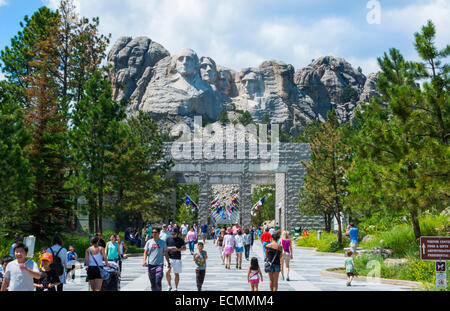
(56, 264)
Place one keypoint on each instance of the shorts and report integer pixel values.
(204, 235)
(286, 257)
(350, 274)
(254, 281)
(175, 265)
(353, 246)
(275, 268)
(239, 249)
(93, 272)
(228, 250)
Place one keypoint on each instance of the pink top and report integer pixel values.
(192, 236)
(286, 245)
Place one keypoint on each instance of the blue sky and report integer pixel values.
(238, 34)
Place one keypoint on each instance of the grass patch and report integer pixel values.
(328, 242)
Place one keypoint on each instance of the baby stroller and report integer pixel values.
(113, 282)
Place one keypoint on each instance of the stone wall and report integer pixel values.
(288, 176)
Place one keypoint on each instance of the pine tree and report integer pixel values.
(16, 179)
(325, 186)
(400, 149)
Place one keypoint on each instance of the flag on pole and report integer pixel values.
(258, 204)
(190, 201)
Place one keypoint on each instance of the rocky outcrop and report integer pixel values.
(176, 88)
(333, 83)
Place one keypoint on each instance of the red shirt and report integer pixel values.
(266, 237)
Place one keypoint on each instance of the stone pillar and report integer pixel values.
(280, 200)
(204, 199)
(245, 198)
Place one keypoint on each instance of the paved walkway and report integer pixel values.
(304, 275)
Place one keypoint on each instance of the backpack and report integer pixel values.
(57, 264)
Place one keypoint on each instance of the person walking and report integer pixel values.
(72, 258)
(164, 234)
(122, 248)
(191, 238)
(254, 274)
(219, 244)
(247, 243)
(287, 254)
(204, 231)
(200, 261)
(154, 252)
(184, 231)
(94, 256)
(239, 248)
(273, 255)
(228, 247)
(20, 272)
(175, 246)
(265, 239)
(353, 233)
(59, 259)
(49, 278)
(112, 250)
(350, 267)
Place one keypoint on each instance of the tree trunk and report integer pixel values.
(416, 226)
(338, 218)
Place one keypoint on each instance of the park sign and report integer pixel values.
(435, 248)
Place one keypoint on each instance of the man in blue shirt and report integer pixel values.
(155, 251)
(353, 232)
(204, 230)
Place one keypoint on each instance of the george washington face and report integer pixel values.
(187, 62)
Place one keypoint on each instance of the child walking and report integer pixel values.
(350, 267)
(200, 261)
(254, 274)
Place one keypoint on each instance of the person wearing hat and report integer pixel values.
(49, 279)
(17, 241)
(175, 246)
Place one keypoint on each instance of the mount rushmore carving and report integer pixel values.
(175, 88)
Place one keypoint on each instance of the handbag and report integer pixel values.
(268, 265)
(103, 273)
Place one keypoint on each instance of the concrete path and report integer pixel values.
(304, 275)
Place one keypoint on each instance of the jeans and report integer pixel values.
(191, 246)
(155, 274)
(264, 248)
(247, 251)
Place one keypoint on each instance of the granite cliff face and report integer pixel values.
(175, 88)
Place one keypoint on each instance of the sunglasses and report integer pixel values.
(154, 231)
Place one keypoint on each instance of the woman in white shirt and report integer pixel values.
(239, 248)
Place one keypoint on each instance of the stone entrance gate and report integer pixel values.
(287, 174)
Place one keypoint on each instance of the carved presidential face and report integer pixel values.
(250, 82)
(208, 70)
(187, 62)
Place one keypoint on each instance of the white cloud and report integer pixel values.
(411, 18)
(236, 35)
(3, 2)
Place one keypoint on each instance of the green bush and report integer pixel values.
(327, 243)
(401, 237)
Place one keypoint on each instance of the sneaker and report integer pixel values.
(237, 266)
(169, 288)
(282, 278)
(348, 284)
(175, 290)
(287, 278)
